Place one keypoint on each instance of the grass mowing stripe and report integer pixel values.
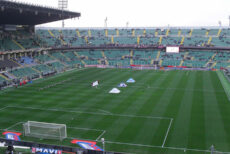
(106, 99)
(197, 128)
(73, 94)
(173, 107)
(225, 83)
(215, 133)
(148, 104)
(223, 108)
(179, 135)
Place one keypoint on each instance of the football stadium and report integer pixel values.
(110, 90)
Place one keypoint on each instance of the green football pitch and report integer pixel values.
(162, 112)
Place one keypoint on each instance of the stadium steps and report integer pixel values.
(152, 60)
(16, 62)
(86, 40)
(51, 34)
(210, 60)
(35, 70)
(133, 33)
(144, 32)
(209, 40)
(219, 32)
(167, 32)
(138, 40)
(68, 59)
(161, 61)
(190, 33)
(106, 32)
(105, 58)
(99, 61)
(207, 32)
(82, 61)
(131, 59)
(18, 44)
(112, 40)
(156, 33)
(186, 55)
(61, 39)
(56, 59)
(179, 32)
(214, 64)
(89, 33)
(181, 62)
(78, 33)
(2, 76)
(160, 40)
(117, 32)
(8, 75)
(182, 41)
(158, 55)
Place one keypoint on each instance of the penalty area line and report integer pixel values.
(167, 132)
(101, 135)
(14, 125)
(85, 112)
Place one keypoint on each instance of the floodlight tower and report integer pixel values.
(220, 23)
(105, 22)
(63, 5)
(127, 24)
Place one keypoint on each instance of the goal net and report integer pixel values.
(45, 130)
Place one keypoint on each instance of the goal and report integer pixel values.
(44, 130)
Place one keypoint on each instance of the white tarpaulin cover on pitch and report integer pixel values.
(130, 80)
(95, 84)
(114, 91)
(122, 84)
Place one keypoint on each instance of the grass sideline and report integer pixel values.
(225, 83)
(196, 103)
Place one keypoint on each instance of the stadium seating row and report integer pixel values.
(186, 37)
(60, 60)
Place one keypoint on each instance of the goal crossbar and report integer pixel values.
(45, 130)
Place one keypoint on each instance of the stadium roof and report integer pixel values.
(14, 13)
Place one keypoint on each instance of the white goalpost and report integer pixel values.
(45, 130)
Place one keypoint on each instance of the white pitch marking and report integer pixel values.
(104, 111)
(3, 108)
(118, 115)
(101, 135)
(167, 132)
(13, 125)
(86, 129)
(155, 146)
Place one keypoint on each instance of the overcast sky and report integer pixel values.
(144, 13)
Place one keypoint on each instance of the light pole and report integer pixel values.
(103, 143)
(219, 23)
(105, 22)
(63, 4)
